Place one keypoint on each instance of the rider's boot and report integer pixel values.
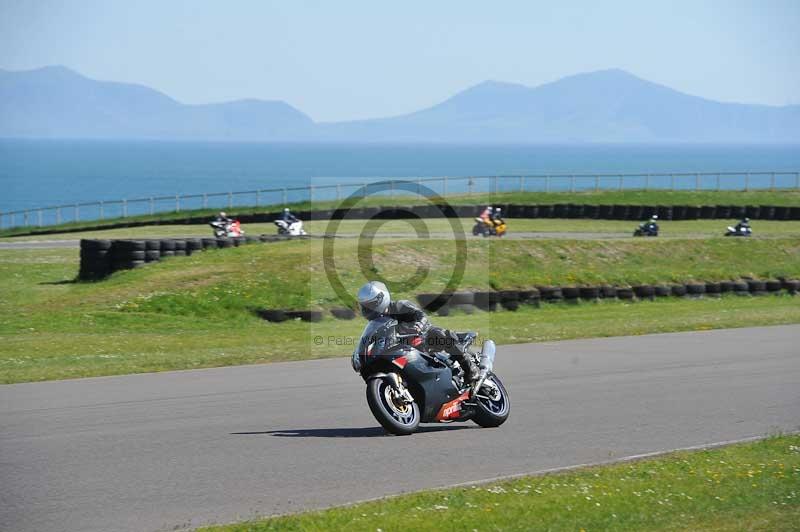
(471, 370)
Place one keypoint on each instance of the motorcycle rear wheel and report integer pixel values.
(492, 412)
(395, 417)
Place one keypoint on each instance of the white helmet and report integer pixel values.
(286, 209)
(655, 217)
(373, 298)
(222, 214)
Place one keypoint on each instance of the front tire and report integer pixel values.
(395, 417)
(492, 412)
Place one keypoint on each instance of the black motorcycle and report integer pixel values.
(407, 384)
(646, 229)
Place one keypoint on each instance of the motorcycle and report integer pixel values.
(291, 229)
(646, 229)
(491, 228)
(739, 231)
(408, 385)
(227, 229)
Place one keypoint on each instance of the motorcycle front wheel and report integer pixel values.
(394, 415)
(492, 411)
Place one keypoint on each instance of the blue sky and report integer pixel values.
(346, 60)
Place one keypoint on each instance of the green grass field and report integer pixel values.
(198, 311)
(750, 486)
(790, 197)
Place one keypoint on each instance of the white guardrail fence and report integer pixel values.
(331, 189)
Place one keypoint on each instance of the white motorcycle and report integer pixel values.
(739, 231)
(291, 229)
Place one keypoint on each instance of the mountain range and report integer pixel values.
(603, 106)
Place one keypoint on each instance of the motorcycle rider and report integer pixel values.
(375, 301)
(288, 217)
(486, 214)
(651, 224)
(497, 216)
(222, 218)
(743, 225)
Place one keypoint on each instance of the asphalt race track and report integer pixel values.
(181, 449)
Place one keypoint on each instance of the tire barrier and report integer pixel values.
(343, 313)
(644, 291)
(512, 300)
(101, 258)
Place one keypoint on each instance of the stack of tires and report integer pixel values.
(128, 254)
(95, 259)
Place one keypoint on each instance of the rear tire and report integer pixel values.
(400, 420)
(492, 413)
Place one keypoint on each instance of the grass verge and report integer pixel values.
(750, 486)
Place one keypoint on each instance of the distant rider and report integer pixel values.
(486, 215)
(223, 219)
(288, 217)
(652, 223)
(375, 302)
(743, 226)
(497, 216)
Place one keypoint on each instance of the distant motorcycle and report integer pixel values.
(489, 228)
(291, 229)
(407, 384)
(227, 229)
(739, 231)
(646, 229)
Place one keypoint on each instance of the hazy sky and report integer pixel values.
(342, 60)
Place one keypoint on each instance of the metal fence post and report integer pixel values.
(283, 196)
(230, 199)
(152, 206)
(521, 183)
(547, 183)
(25, 218)
(797, 180)
(772, 181)
(205, 201)
(177, 203)
(444, 186)
(647, 182)
(58, 216)
(101, 210)
(672, 181)
(596, 183)
(621, 182)
(311, 194)
(258, 198)
(39, 217)
(338, 192)
(124, 208)
(572, 183)
(697, 181)
(495, 184)
(718, 182)
(747, 181)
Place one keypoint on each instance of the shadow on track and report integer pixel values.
(361, 432)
